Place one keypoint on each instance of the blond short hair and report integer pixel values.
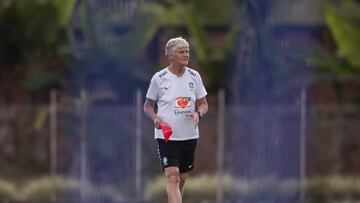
(175, 43)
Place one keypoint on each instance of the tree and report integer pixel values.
(30, 40)
(32, 33)
(342, 19)
(196, 17)
(341, 64)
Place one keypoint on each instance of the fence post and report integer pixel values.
(53, 135)
(84, 182)
(138, 145)
(302, 144)
(53, 138)
(220, 146)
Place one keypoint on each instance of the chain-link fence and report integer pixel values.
(86, 149)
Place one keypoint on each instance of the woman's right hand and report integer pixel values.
(157, 122)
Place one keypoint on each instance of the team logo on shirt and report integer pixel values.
(191, 85)
(182, 102)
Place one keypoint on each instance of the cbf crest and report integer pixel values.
(191, 86)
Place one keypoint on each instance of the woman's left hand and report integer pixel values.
(195, 117)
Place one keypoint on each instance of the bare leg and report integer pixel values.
(183, 177)
(173, 184)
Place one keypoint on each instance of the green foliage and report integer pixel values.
(34, 31)
(64, 10)
(330, 63)
(125, 50)
(37, 79)
(43, 190)
(214, 62)
(208, 12)
(33, 25)
(201, 187)
(103, 47)
(205, 187)
(343, 19)
(7, 189)
(325, 189)
(196, 16)
(341, 61)
(318, 189)
(140, 35)
(344, 22)
(31, 32)
(213, 12)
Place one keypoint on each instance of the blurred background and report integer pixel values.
(283, 79)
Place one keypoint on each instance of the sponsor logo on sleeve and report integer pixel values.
(162, 74)
(191, 72)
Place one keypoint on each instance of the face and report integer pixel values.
(180, 56)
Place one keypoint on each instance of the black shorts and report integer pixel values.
(177, 153)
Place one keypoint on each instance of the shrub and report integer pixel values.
(319, 189)
(43, 190)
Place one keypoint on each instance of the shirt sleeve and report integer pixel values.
(200, 89)
(153, 91)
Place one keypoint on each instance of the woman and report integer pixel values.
(180, 96)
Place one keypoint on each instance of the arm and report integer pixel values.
(149, 111)
(202, 106)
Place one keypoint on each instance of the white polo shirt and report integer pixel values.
(176, 97)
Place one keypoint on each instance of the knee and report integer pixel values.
(183, 178)
(173, 176)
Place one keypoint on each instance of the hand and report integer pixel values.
(195, 117)
(157, 122)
